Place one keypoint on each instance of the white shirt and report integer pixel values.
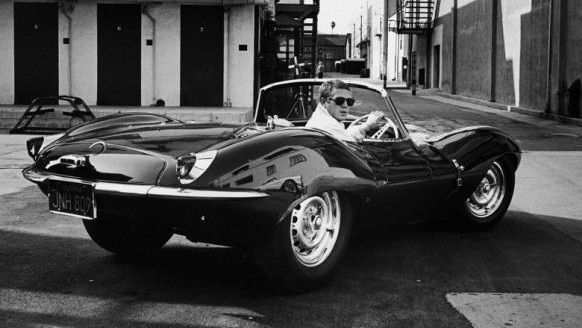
(322, 120)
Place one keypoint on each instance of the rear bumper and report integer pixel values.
(225, 217)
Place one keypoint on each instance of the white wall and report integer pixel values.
(84, 50)
(167, 56)
(239, 70)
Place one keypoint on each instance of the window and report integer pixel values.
(296, 159)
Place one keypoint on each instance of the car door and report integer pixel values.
(405, 190)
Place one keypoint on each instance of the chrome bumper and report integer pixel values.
(39, 177)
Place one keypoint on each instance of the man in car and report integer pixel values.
(335, 100)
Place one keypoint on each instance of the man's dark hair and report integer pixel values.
(326, 88)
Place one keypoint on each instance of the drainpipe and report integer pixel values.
(549, 63)
(228, 103)
(385, 43)
(66, 12)
(146, 12)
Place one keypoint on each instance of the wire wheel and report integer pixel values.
(490, 193)
(314, 229)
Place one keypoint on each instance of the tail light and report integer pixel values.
(190, 167)
(33, 146)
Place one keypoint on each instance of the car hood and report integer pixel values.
(165, 140)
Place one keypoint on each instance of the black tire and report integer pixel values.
(288, 267)
(127, 236)
(488, 203)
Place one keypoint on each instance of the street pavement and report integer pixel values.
(526, 272)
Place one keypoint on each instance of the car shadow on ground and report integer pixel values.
(394, 276)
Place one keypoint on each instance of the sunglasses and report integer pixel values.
(340, 101)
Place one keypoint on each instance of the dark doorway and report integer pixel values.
(119, 54)
(437, 66)
(202, 37)
(36, 52)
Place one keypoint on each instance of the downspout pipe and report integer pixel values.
(146, 13)
(548, 108)
(66, 13)
(227, 58)
(385, 44)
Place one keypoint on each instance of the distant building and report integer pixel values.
(331, 48)
(520, 53)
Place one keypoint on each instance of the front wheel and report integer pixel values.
(307, 245)
(490, 200)
(127, 236)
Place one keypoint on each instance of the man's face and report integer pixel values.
(339, 112)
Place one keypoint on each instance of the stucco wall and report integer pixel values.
(473, 49)
(436, 40)
(164, 64)
(84, 48)
(238, 85)
(163, 56)
(509, 49)
(6, 52)
(520, 50)
(533, 57)
(574, 55)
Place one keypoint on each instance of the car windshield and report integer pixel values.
(296, 102)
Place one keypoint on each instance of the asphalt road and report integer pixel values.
(526, 272)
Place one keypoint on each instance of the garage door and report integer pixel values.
(119, 54)
(36, 53)
(202, 37)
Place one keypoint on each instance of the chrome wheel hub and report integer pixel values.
(315, 225)
(489, 194)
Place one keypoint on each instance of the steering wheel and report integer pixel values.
(378, 134)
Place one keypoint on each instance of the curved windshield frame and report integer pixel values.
(295, 102)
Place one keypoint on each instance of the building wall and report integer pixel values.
(6, 52)
(436, 40)
(84, 51)
(511, 67)
(238, 82)
(473, 49)
(162, 58)
(532, 62)
(573, 52)
(160, 66)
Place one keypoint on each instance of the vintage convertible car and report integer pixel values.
(286, 193)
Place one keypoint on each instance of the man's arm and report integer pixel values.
(359, 131)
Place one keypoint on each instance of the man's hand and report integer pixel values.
(374, 119)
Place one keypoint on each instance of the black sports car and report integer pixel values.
(286, 193)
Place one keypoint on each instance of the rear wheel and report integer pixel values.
(490, 200)
(307, 245)
(127, 236)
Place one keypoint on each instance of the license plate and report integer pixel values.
(71, 198)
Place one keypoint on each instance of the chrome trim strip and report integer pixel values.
(203, 194)
(147, 190)
(73, 215)
(122, 188)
